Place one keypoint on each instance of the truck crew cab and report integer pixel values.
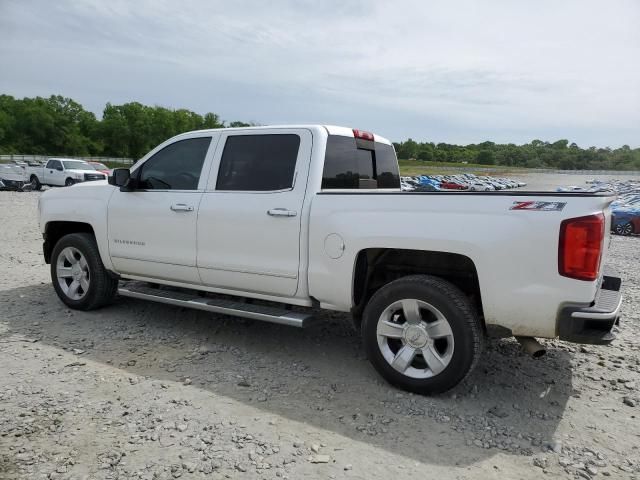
(273, 223)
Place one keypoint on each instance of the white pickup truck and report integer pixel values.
(274, 223)
(59, 172)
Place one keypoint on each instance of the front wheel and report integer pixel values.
(35, 183)
(422, 334)
(68, 182)
(78, 275)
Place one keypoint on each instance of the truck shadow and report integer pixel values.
(319, 376)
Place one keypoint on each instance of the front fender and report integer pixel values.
(76, 204)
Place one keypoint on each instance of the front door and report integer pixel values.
(53, 173)
(152, 229)
(250, 217)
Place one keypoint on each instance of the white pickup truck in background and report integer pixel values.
(272, 223)
(62, 172)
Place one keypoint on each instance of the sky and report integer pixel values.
(456, 71)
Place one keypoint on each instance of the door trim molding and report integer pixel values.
(250, 272)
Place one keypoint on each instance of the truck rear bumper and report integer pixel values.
(593, 324)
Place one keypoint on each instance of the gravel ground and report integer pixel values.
(551, 181)
(140, 390)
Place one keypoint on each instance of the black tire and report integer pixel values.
(102, 286)
(457, 310)
(68, 182)
(36, 185)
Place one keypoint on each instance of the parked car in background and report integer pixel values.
(62, 172)
(625, 221)
(12, 177)
(451, 185)
(100, 167)
(478, 186)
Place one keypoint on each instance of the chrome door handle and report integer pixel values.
(181, 207)
(281, 212)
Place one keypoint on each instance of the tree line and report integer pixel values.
(537, 154)
(61, 126)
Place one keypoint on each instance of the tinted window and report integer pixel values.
(77, 165)
(258, 162)
(387, 166)
(347, 166)
(54, 164)
(176, 166)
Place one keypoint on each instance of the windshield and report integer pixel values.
(99, 166)
(77, 165)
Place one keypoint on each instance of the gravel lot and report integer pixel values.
(140, 390)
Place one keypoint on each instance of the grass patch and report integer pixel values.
(419, 167)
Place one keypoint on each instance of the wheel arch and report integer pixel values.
(376, 267)
(55, 230)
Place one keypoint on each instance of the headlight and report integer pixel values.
(79, 176)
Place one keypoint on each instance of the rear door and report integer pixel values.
(250, 216)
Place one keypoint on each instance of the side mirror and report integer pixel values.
(120, 177)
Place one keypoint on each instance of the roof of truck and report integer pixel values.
(331, 129)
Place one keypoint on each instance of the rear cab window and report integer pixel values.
(356, 163)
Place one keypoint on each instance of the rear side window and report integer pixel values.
(258, 162)
(388, 175)
(176, 167)
(348, 166)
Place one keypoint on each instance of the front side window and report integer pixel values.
(54, 164)
(176, 166)
(258, 162)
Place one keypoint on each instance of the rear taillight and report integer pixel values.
(580, 247)
(361, 134)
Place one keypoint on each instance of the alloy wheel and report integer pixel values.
(72, 272)
(415, 338)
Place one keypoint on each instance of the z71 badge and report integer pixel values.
(539, 206)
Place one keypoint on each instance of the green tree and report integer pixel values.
(485, 157)
(61, 126)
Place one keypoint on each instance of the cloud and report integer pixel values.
(461, 71)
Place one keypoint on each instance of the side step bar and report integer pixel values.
(216, 305)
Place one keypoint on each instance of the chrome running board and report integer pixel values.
(234, 308)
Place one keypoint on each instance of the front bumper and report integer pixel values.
(16, 185)
(593, 324)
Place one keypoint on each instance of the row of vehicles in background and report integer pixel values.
(625, 210)
(61, 172)
(465, 181)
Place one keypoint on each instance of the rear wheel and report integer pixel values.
(35, 183)
(624, 228)
(78, 275)
(421, 334)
